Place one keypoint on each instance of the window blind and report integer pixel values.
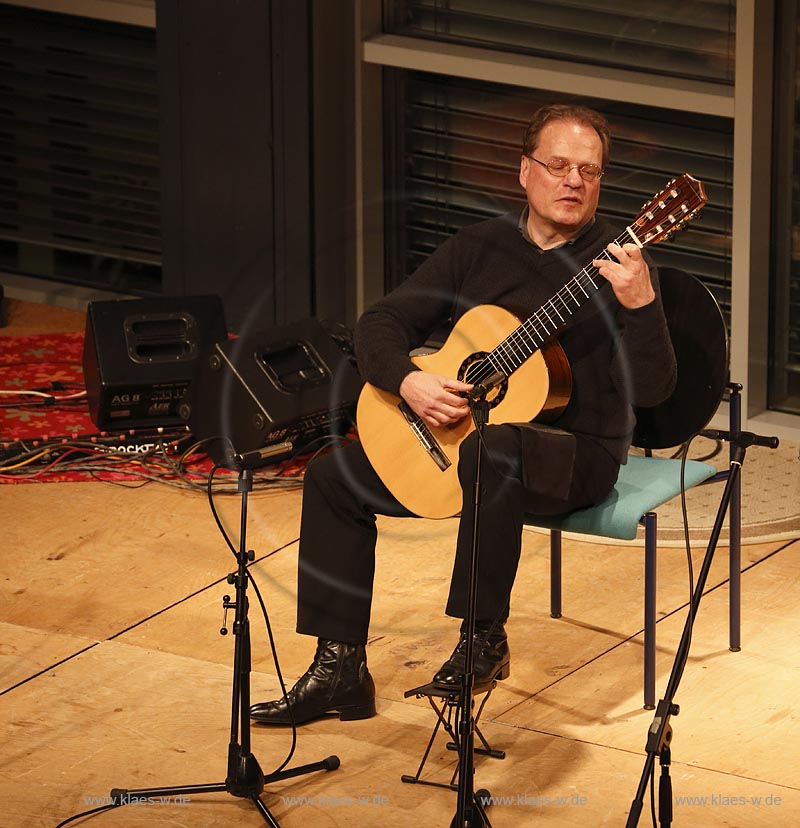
(456, 160)
(79, 159)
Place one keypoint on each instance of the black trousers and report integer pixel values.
(529, 469)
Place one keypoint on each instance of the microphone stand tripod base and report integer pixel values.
(245, 778)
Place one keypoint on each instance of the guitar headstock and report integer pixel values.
(669, 210)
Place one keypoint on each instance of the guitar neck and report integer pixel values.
(542, 325)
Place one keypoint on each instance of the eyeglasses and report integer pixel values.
(561, 168)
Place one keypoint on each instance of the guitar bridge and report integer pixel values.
(426, 439)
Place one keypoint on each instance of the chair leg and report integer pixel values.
(555, 573)
(650, 522)
(735, 556)
(735, 531)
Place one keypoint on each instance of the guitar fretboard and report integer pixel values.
(523, 342)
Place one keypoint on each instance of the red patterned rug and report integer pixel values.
(47, 434)
(48, 365)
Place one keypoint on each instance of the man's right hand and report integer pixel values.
(435, 398)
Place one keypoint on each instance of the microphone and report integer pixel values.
(741, 438)
(481, 389)
(258, 457)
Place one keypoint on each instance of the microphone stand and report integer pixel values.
(659, 736)
(245, 778)
(469, 810)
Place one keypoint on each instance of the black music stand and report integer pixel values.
(245, 778)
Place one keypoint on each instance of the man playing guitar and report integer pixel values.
(613, 350)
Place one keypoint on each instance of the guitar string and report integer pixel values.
(521, 343)
(419, 424)
(523, 334)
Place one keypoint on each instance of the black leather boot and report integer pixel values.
(337, 681)
(491, 656)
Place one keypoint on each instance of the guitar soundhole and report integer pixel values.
(476, 367)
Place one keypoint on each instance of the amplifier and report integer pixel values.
(139, 356)
(289, 384)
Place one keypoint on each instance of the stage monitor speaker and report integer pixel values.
(139, 356)
(291, 384)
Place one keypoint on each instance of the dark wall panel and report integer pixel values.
(235, 132)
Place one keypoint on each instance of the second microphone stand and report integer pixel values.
(659, 736)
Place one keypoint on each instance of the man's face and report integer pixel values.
(561, 206)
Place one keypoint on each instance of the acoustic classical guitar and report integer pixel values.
(418, 462)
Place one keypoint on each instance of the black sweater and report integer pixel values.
(619, 357)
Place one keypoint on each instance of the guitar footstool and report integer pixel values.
(445, 704)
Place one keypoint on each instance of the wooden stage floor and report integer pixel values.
(114, 674)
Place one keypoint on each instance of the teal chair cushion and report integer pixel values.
(644, 483)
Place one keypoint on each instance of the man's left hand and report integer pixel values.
(628, 274)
